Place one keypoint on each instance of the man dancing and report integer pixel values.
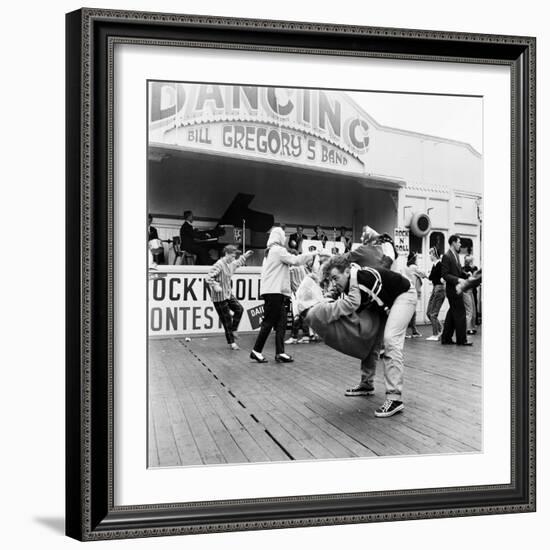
(393, 296)
(453, 274)
(219, 280)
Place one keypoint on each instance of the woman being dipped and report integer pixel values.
(275, 291)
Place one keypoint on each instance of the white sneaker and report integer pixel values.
(291, 341)
(304, 340)
(434, 338)
(234, 346)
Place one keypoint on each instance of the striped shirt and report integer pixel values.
(221, 274)
(297, 275)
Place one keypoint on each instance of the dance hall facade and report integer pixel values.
(242, 157)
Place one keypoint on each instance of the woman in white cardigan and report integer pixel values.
(275, 290)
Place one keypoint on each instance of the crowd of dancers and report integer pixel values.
(361, 303)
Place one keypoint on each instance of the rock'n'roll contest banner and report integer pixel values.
(179, 301)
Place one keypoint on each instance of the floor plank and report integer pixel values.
(211, 406)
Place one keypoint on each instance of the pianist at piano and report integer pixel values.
(194, 241)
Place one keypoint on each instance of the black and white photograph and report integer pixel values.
(300, 274)
(314, 273)
(270, 228)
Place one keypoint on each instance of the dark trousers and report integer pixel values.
(455, 321)
(199, 250)
(274, 318)
(158, 258)
(434, 305)
(229, 321)
(299, 323)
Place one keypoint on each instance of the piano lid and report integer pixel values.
(238, 211)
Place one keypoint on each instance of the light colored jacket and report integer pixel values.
(276, 265)
(415, 275)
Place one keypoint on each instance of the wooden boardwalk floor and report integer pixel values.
(210, 405)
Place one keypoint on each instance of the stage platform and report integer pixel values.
(210, 405)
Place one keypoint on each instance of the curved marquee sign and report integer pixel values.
(315, 128)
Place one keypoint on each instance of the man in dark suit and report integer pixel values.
(344, 239)
(295, 240)
(190, 239)
(319, 235)
(453, 274)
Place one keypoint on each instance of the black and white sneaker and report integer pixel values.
(359, 391)
(389, 408)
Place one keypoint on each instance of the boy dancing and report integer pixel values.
(219, 281)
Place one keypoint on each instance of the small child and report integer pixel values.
(219, 281)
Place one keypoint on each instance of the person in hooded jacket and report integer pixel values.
(275, 291)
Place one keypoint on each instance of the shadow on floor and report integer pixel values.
(55, 524)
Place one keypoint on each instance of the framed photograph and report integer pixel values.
(365, 194)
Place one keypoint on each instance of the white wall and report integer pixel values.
(31, 403)
(425, 161)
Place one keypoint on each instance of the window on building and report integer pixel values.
(415, 243)
(437, 240)
(466, 245)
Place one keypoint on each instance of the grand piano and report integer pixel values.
(237, 215)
